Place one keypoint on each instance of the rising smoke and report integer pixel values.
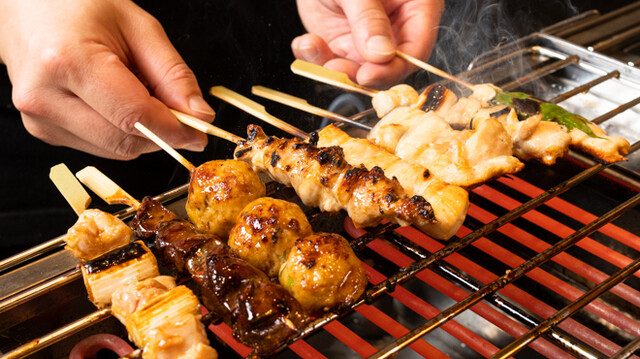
(472, 27)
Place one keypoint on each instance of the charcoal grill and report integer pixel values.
(546, 264)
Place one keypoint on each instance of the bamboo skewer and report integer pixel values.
(434, 70)
(165, 146)
(205, 127)
(247, 104)
(330, 77)
(105, 188)
(303, 105)
(70, 188)
(255, 109)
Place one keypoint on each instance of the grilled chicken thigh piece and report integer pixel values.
(465, 158)
(449, 202)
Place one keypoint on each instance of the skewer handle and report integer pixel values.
(303, 105)
(331, 77)
(205, 127)
(70, 188)
(165, 146)
(433, 70)
(105, 188)
(255, 109)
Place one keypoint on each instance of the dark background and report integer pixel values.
(236, 44)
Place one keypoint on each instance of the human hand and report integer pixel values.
(84, 71)
(360, 37)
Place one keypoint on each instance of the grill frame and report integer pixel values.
(28, 264)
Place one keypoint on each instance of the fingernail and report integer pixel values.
(309, 53)
(381, 45)
(198, 104)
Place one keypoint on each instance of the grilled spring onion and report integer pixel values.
(169, 327)
(103, 275)
(527, 105)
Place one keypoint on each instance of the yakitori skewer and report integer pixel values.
(218, 189)
(449, 202)
(162, 318)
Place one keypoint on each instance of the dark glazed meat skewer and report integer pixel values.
(262, 314)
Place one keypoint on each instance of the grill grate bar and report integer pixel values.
(616, 111)
(564, 313)
(35, 291)
(628, 350)
(510, 276)
(560, 230)
(593, 22)
(585, 87)
(543, 71)
(615, 40)
(59, 334)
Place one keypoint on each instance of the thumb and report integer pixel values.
(371, 29)
(168, 76)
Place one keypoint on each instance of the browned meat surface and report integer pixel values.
(95, 233)
(263, 312)
(178, 241)
(323, 273)
(449, 202)
(149, 215)
(265, 230)
(323, 178)
(218, 191)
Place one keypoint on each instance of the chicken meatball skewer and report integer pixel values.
(231, 182)
(320, 270)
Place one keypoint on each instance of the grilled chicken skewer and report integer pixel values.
(533, 139)
(322, 178)
(462, 158)
(449, 202)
